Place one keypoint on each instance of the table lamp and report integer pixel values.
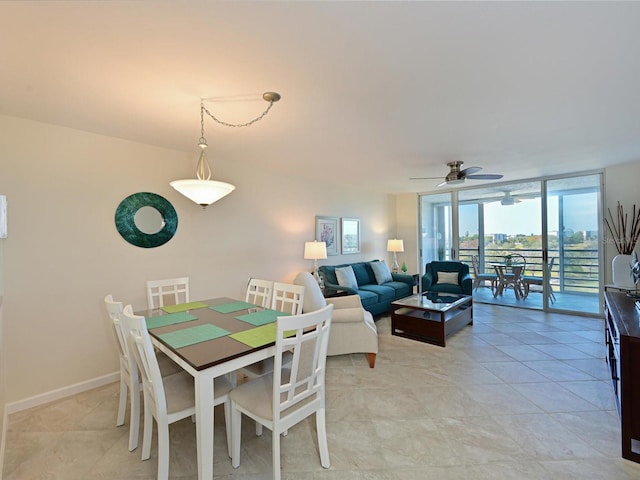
(395, 246)
(315, 251)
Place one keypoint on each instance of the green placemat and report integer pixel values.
(189, 336)
(171, 319)
(183, 307)
(259, 336)
(261, 317)
(232, 307)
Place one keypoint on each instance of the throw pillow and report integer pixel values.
(448, 277)
(381, 271)
(346, 277)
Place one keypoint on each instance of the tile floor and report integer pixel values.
(520, 394)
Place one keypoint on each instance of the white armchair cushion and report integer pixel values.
(347, 301)
(348, 315)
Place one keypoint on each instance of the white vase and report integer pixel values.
(621, 271)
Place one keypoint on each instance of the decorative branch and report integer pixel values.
(618, 229)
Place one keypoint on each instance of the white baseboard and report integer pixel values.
(63, 392)
(3, 439)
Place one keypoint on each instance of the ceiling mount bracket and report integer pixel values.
(271, 96)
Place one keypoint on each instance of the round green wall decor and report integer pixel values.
(130, 230)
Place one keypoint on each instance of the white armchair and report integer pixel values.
(352, 327)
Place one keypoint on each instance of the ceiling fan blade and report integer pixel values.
(451, 182)
(485, 176)
(469, 171)
(457, 176)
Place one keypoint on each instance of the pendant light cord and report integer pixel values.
(270, 97)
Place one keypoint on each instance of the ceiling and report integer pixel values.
(373, 93)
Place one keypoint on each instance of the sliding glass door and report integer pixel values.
(573, 255)
(436, 241)
(552, 225)
(507, 222)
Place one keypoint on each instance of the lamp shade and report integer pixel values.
(203, 192)
(395, 245)
(315, 250)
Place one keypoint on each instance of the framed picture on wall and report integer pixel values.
(350, 235)
(328, 231)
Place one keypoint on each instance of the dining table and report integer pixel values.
(508, 276)
(209, 339)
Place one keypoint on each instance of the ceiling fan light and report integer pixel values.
(508, 199)
(203, 192)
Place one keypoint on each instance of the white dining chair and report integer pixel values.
(288, 395)
(259, 292)
(287, 298)
(170, 291)
(129, 377)
(166, 399)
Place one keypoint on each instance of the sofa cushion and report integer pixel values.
(448, 277)
(402, 289)
(381, 272)
(346, 277)
(364, 273)
(384, 293)
(367, 298)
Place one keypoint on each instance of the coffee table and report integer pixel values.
(431, 316)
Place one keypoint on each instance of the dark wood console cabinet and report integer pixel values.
(622, 337)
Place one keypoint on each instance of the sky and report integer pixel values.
(526, 218)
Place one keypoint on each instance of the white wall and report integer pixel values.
(407, 222)
(64, 254)
(621, 185)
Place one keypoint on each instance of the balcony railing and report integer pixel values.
(575, 270)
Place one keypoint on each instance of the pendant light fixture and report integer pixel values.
(203, 190)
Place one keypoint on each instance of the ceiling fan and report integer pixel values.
(456, 175)
(509, 199)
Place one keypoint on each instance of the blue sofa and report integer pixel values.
(375, 298)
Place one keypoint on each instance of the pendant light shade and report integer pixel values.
(203, 192)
